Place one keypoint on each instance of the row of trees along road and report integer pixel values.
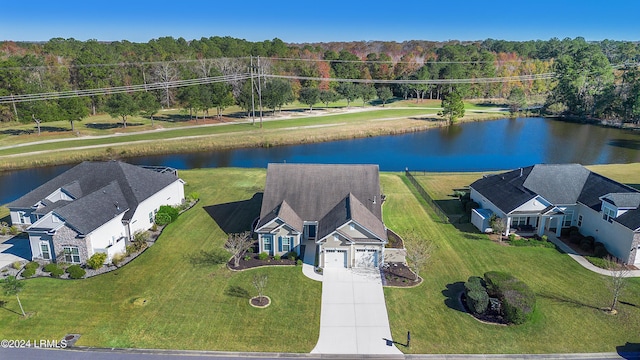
(593, 79)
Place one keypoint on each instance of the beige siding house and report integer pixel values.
(336, 208)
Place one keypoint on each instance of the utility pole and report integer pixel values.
(260, 73)
(253, 105)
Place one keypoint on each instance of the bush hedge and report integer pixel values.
(162, 219)
(28, 272)
(169, 210)
(54, 270)
(76, 272)
(518, 300)
(476, 293)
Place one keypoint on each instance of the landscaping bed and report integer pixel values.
(252, 261)
(398, 275)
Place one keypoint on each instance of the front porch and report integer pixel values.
(534, 224)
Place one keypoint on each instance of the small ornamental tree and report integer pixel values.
(616, 282)
(499, 225)
(237, 245)
(419, 252)
(384, 94)
(13, 286)
(260, 283)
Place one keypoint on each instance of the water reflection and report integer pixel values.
(478, 146)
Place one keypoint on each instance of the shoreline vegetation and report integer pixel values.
(281, 130)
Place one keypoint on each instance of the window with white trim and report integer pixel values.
(608, 214)
(71, 254)
(518, 221)
(568, 218)
(286, 243)
(266, 243)
(44, 249)
(150, 217)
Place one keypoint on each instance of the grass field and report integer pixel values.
(567, 316)
(198, 308)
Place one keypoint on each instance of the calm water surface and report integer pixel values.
(479, 146)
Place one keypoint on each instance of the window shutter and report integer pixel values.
(279, 243)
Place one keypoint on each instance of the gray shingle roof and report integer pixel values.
(135, 184)
(312, 191)
(561, 184)
(350, 208)
(94, 210)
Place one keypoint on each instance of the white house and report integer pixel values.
(93, 207)
(544, 198)
(336, 208)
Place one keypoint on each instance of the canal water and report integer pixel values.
(479, 146)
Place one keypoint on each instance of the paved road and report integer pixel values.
(125, 354)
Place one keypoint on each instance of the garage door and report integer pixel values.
(335, 258)
(366, 258)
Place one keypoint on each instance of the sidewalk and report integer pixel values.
(308, 268)
(584, 262)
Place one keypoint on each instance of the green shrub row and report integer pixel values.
(518, 300)
(476, 293)
(54, 269)
(30, 269)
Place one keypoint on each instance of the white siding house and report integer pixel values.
(93, 207)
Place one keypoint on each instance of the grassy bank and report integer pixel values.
(235, 135)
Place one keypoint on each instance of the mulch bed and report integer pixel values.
(254, 262)
(489, 316)
(399, 274)
(581, 252)
(260, 301)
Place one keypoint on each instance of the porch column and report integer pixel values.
(508, 227)
(542, 222)
(559, 223)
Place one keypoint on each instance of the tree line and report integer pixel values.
(593, 79)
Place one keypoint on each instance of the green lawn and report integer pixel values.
(188, 307)
(193, 308)
(567, 318)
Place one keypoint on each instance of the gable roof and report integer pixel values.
(560, 184)
(350, 208)
(94, 210)
(134, 184)
(312, 190)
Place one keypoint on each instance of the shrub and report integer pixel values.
(291, 255)
(28, 272)
(154, 227)
(76, 272)
(32, 265)
(599, 250)
(96, 260)
(162, 219)
(299, 262)
(139, 240)
(118, 258)
(263, 256)
(478, 301)
(277, 257)
(13, 230)
(512, 237)
(169, 210)
(518, 300)
(247, 257)
(16, 265)
(193, 196)
(586, 245)
(544, 238)
(54, 270)
(130, 249)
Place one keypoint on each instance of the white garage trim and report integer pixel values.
(335, 258)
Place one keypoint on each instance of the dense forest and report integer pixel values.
(569, 77)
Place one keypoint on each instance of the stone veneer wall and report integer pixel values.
(64, 237)
(634, 249)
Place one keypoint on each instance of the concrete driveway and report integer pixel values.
(353, 317)
(13, 249)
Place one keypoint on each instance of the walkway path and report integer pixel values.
(353, 318)
(584, 262)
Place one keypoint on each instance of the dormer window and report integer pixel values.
(608, 214)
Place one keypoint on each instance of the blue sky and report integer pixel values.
(318, 21)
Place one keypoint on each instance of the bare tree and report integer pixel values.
(616, 282)
(260, 283)
(166, 73)
(231, 66)
(499, 225)
(419, 252)
(237, 245)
